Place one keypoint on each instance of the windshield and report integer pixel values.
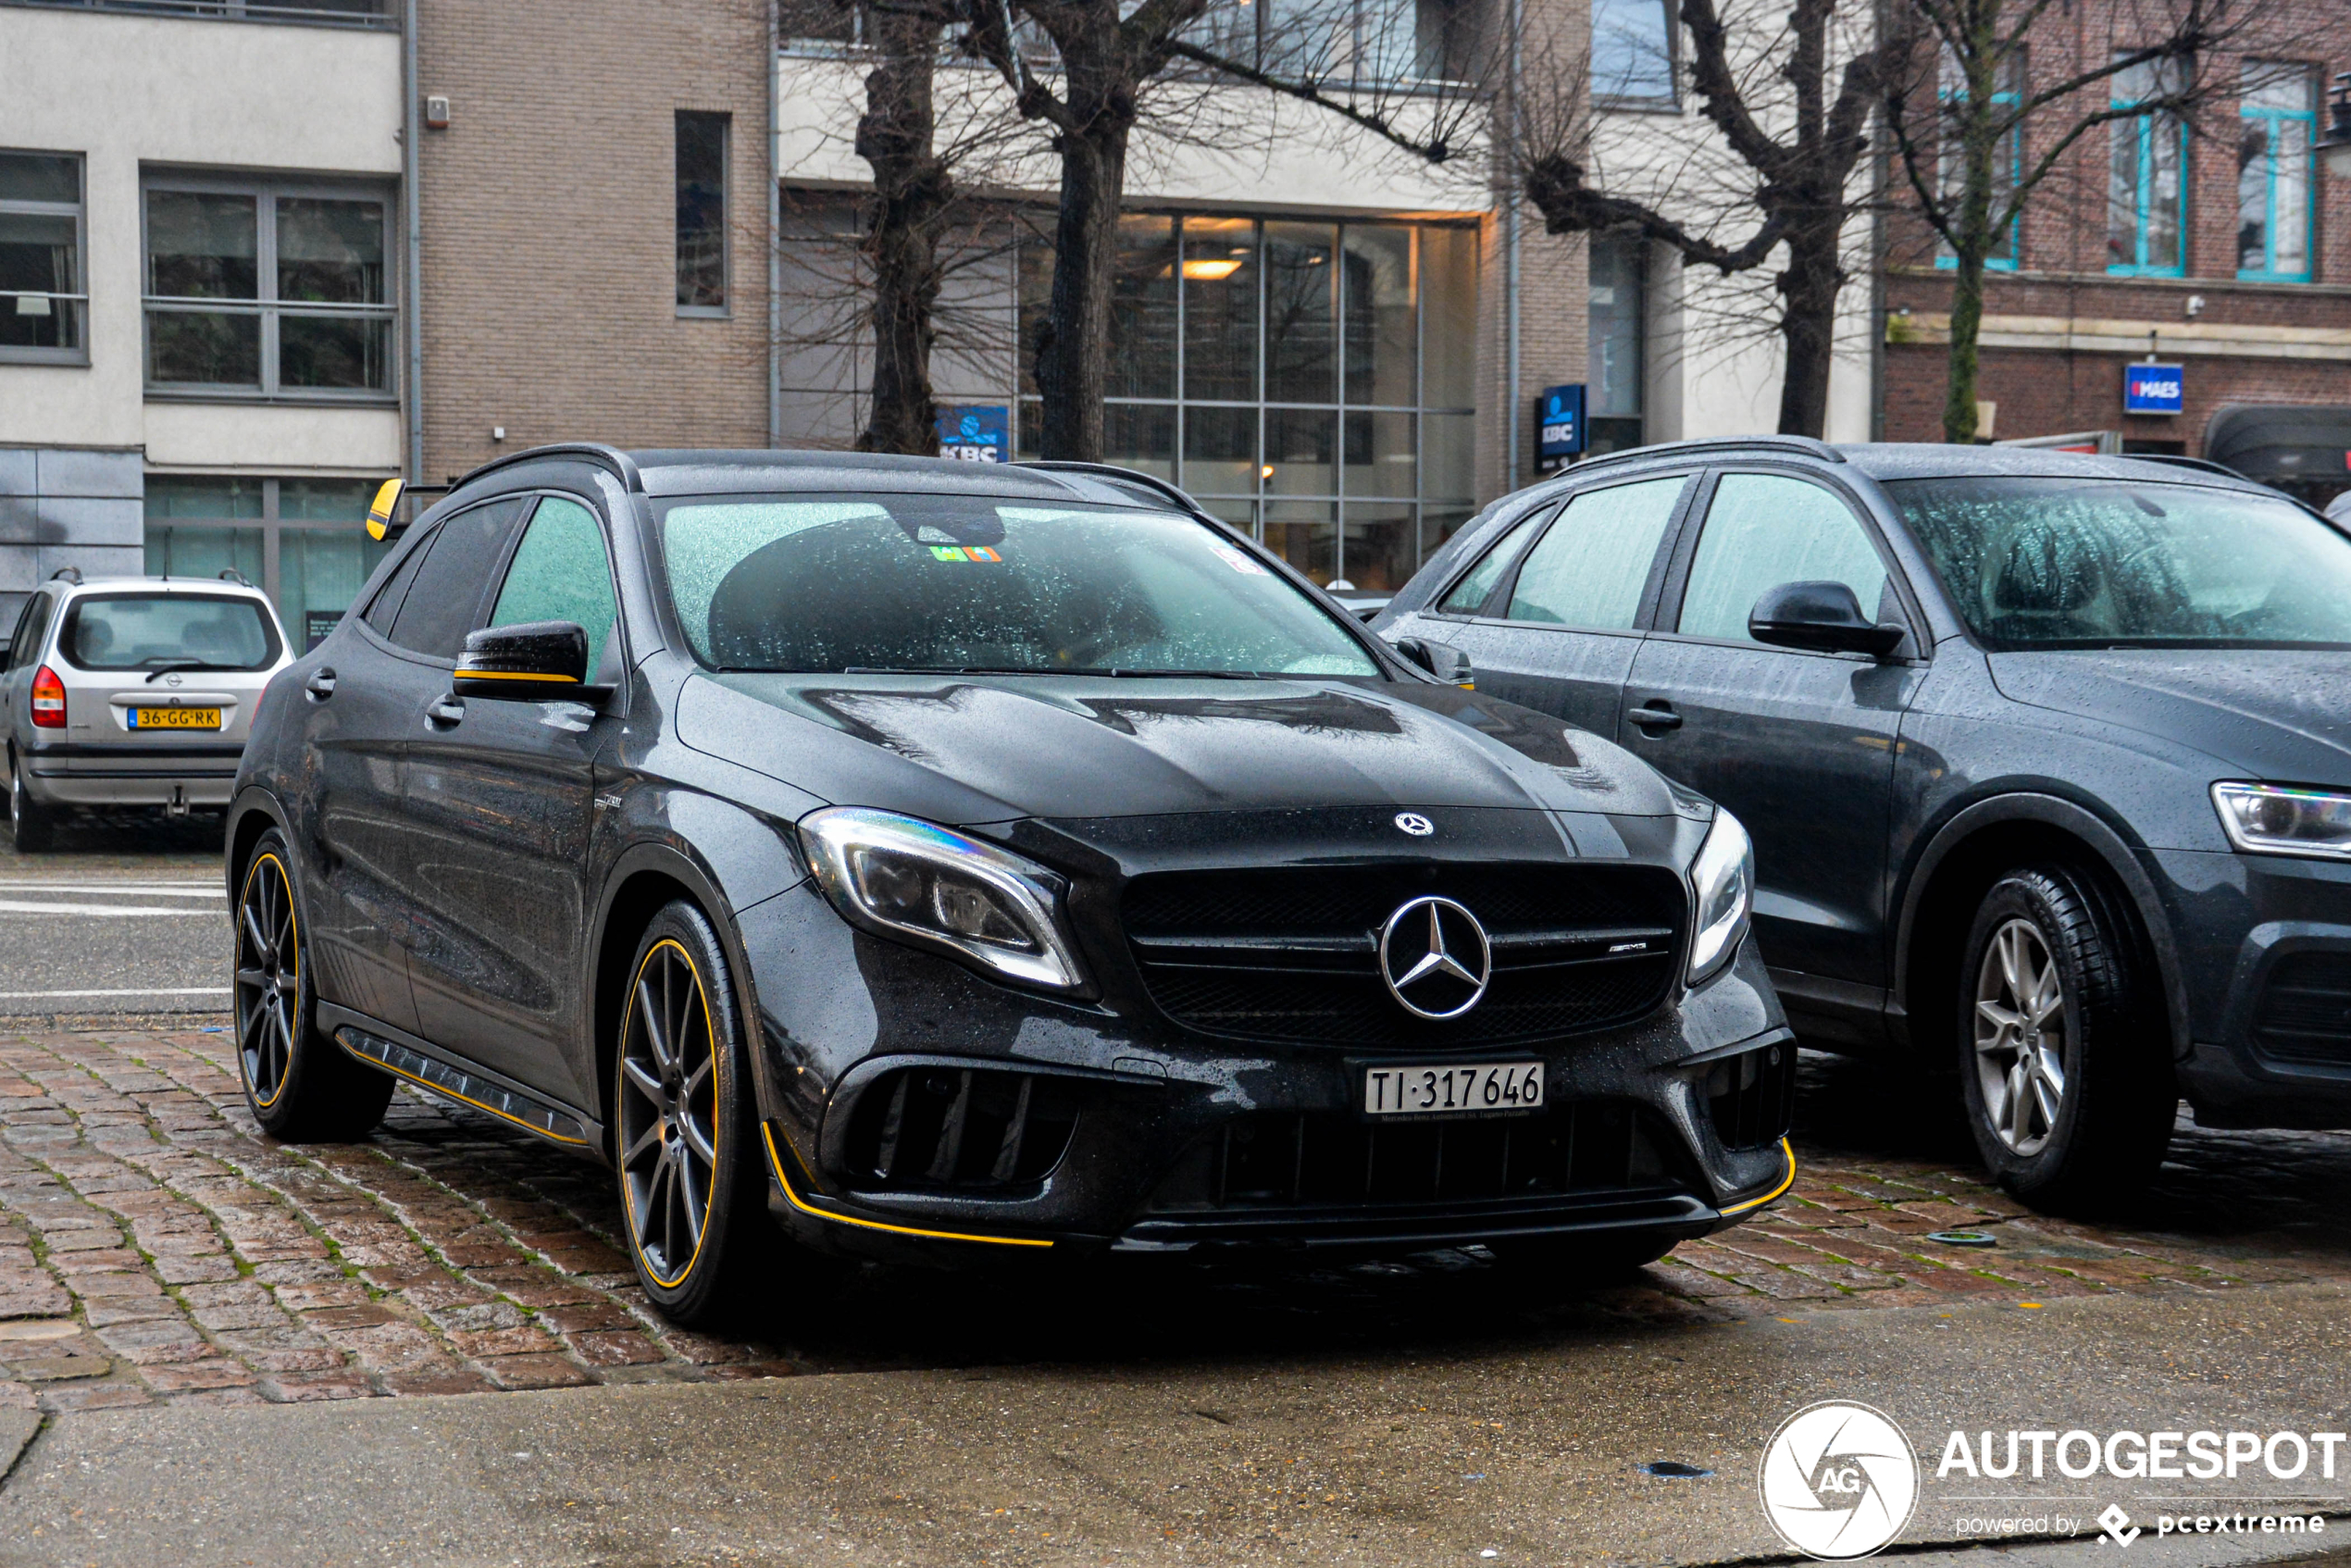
(965, 583)
(2094, 562)
(151, 631)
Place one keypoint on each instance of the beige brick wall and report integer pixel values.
(549, 224)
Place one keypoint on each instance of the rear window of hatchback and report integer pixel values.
(132, 632)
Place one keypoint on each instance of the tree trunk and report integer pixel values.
(1967, 323)
(912, 188)
(1808, 324)
(1072, 357)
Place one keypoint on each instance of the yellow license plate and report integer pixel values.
(175, 718)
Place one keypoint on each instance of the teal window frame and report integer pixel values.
(2310, 120)
(2143, 128)
(2011, 97)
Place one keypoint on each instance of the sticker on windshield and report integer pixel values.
(1237, 561)
(963, 553)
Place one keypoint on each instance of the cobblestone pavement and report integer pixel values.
(155, 1247)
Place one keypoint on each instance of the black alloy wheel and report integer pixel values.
(684, 1125)
(2064, 1047)
(301, 1086)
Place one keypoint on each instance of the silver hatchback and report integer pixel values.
(133, 692)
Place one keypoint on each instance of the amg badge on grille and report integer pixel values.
(1434, 955)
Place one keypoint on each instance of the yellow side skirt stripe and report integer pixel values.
(1786, 1182)
(447, 1093)
(775, 1162)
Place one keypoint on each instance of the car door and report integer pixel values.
(1563, 622)
(499, 795)
(1799, 745)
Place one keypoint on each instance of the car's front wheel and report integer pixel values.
(301, 1086)
(2064, 1059)
(691, 1189)
(29, 820)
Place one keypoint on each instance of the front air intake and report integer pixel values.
(970, 1131)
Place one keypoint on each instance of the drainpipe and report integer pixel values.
(411, 286)
(1510, 257)
(774, 237)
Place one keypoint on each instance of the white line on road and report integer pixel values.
(134, 991)
(109, 889)
(25, 906)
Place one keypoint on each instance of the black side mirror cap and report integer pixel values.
(1441, 659)
(1821, 617)
(532, 662)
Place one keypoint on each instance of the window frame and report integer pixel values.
(2309, 117)
(1647, 608)
(79, 211)
(1670, 101)
(2142, 128)
(266, 191)
(1946, 92)
(536, 499)
(726, 306)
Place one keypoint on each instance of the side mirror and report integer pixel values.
(533, 661)
(1442, 660)
(1822, 617)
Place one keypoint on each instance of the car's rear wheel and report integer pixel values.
(30, 822)
(300, 1085)
(2064, 1064)
(692, 1187)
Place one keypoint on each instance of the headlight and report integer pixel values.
(2269, 819)
(901, 877)
(1722, 888)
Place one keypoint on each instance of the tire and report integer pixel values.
(685, 1125)
(30, 822)
(2065, 1066)
(1582, 1260)
(300, 1085)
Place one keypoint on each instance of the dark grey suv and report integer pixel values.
(2046, 758)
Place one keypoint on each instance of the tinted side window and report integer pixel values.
(1470, 594)
(445, 596)
(561, 573)
(1765, 529)
(385, 607)
(26, 649)
(1590, 568)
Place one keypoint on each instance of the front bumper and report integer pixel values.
(1033, 1123)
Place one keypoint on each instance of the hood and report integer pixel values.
(2281, 715)
(962, 749)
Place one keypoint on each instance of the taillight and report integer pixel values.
(48, 699)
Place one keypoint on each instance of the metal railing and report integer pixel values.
(371, 14)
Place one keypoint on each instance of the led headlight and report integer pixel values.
(1722, 890)
(902, 878)
(2270, 820)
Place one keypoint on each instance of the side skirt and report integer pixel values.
(447, 1075)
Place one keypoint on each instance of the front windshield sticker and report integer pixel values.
(1237, 561)
(966, 552)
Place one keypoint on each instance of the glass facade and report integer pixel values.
(1310, 382)
(302, 540)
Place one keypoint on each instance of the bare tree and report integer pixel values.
(914, 199)
(1976, 89)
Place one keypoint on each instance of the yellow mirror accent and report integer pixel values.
(380, 510)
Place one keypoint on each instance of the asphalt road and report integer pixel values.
(119, 918)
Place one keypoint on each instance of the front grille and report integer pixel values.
(1294, 954)
(2305, 1010)
(1295, 1160)
(960, 1129)
(1752, 1096)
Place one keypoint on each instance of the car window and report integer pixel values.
(447, 590)
(561, 573)
(1470, 594)
(384, 608)
(1590, 568)
(953, 582)
(26, 649)
(147, 630)
(1766, 529)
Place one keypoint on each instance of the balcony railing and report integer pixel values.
(374, 13)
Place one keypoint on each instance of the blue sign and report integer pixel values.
(2154, 389)
(976, 434)
(1559, 424)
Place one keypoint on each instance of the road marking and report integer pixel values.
(25, 906)
(134, 991)
(108, 890)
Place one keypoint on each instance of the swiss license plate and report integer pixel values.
(1453, 1089)
(175, 718)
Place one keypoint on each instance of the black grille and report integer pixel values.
(958, 1129)
(2306, 1009)
(1752, 1096)
(1295, 1160)
(1294, 954)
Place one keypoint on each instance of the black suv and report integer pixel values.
(2047, 758)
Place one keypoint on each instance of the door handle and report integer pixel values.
(1656, 716)
(321, 685)
(449, 708)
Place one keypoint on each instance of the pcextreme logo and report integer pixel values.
(1838, 1480)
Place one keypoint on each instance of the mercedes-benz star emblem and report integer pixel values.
(1434, 955)
(1413, 822)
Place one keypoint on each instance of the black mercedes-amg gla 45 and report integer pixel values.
(964, 861)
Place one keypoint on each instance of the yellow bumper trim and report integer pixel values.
(775, 1162)
(1786, 1182)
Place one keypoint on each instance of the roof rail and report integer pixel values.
(611, 458)
(1113, 472)
(66, 574)
(230, 574)
(1804, 444)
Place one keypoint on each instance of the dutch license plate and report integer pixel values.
(1453, 1089)
(175, 718)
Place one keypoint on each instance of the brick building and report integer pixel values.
(2218, 246)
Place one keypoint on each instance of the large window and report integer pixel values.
(1633, 52)
(1616, 302)
(2008, 159)
(1310, 380)
(2277, 116)
(1333, 41)
(701, 214)
(2146, 178)
(316, 13)
(42, 293)
(302, 540)
(276, 290)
